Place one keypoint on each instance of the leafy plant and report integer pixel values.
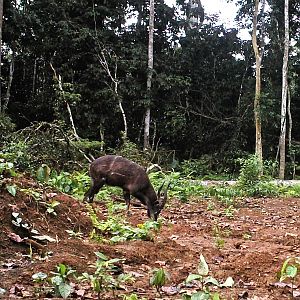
(43, 173)
(6, 168)
(203, 281)
(104, 277)
(158, 279)
(12, 189)
(114, 229)
(61, 280)
(51, 207)
(75, 183)
(289, 270)
(132, 297)
(74, 234)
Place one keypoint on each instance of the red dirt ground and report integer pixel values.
(250, 246)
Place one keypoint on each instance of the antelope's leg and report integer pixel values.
(126, 195)
(93, 190)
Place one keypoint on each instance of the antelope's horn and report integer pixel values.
(160, 188)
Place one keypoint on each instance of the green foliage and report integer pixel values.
(6, 168)
(17, 152)
(197, 168)
(6, 126)
(114, 229)
(61, 280)
(131, 151)
(71, 183)
(159, 278)
(12, 189)
(250, 172)
(51, 207)
(203, 281)
(289, 269)
(50, 144)
(104, 277)
(43, 173)
(132, 297)
(250, 183)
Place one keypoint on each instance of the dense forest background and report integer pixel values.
(67, 65)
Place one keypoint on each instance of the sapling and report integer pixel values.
(159, 278)
(289, 270)
(203, 280)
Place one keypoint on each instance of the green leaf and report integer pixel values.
(40, 276)
(65, 290)
(159, 277)
(101, 256)
(211, 280)
(12, 189)
(62, 269)
(56, 280)
(291, 271)
(215, 296)
(43, 173)
(229, 282)
(202, 267)
(192, 277)
(200, 296)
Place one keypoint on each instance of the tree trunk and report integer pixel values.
(258, 60)
(149, 77)
(10, 79)
(284, 91)
(1, 18)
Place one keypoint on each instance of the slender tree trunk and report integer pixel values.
(111, 71)
(1, 18)
(258, 60)
(60, 86)
(282, 147)
(10, 79)
(149, 77)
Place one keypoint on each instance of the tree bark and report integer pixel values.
(149, 77)
(258, 60)
(10, 79)
(282, 147)
(1, 18)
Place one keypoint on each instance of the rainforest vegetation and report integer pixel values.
(74, 84)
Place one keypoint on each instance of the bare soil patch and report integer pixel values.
(250, 246)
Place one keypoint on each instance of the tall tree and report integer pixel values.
(284, 91)
(149, 76)
(1, 18)
(259, 52)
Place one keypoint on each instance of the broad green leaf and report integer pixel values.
(200, 296)
(40, 276)
(12, 189)
(43, 173)
(216, 296)
(192, 277)
(229, 282)
(65, 290)
(202, 267)
(62, 269)
(159, 277)
(56, 280)
(211, 280)
(291, 271)
(101, 256)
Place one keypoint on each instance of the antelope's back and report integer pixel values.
(119, 171)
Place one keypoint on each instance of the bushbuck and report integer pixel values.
(118, 171)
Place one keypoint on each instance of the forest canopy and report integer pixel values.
(67, 67)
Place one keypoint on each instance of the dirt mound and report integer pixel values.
(249, 244)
